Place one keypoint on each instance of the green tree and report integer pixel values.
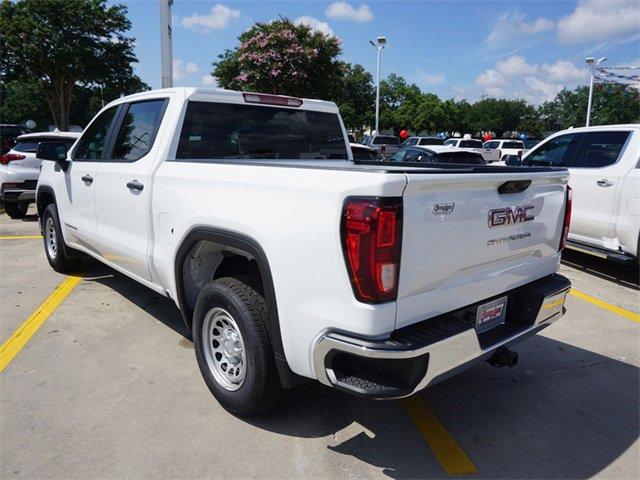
(61, 44)
(357, 100)
(281, 57)
(399, 103)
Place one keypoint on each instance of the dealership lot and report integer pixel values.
(108, 387)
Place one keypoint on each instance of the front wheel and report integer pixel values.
(54, 248)
(16, 210)
(232, 345)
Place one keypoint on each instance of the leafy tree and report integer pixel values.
(23, 100)
(611, 104)
(358, 96)
(61, 44)
(281, 57)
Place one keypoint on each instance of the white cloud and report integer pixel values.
(516, 78)
(600, 20)
(512, 25)
(180, 70)
(344, 11)
(209, 81)
(430, 78)
(514, 66)
(218, 18)
(314, 24)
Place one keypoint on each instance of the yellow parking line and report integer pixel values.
(605, 305)
(21, 336)
(442, 444)
(19, 237)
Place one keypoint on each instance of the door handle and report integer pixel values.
(604, 182)
(87, 179)
(135, 185)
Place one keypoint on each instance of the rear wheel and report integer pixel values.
(16, 210)
(62, 259)
(233, 348)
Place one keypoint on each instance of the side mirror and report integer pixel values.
(55, 151)
(513, 161)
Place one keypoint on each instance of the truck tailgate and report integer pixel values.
(452, 255)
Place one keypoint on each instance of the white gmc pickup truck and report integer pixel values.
(288, 259)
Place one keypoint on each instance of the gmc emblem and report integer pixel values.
(508, 216)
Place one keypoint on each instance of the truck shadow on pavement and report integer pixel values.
(626, 275)
(562, 412)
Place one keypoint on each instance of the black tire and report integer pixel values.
(16, 210)
(62, 258)
(261, 386)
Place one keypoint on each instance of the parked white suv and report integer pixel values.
(19, 170)
(604, 162)
(289, 260)
(497, 150)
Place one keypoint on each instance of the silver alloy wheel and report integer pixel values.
(224, 348)
(50, 238)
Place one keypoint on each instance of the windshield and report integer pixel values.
(235, 131)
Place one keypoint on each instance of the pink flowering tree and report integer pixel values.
(283, 58)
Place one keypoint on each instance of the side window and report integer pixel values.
(399, 156)
(92, 143)
(451, 142)
(138, 130)
(599, 149)
(553, 153)
(411, 156)
(491, 145)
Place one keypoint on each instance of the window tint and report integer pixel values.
(599, 149)
(138, 130)
(234, 131)
(553, 153)
(491, 145)
(451, 142)
(460, 157)
(471, 144)
(92, 143)
(399, 155)
(412, 156)
(512, 145)
(385, 140)
(431, 141)
(31, 145)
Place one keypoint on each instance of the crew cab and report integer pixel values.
(19, 170)
(289, 260)
(497, 150)
(386, 145)
(604, 162)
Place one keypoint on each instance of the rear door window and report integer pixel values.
(31, 145)
(555, 152)
(599, 149)
(236, 131)
(138, 130)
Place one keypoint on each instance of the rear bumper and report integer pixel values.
(18, 192)
(425, 353)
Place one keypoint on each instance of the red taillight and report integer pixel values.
(272, 99)
(10, 157)
(371, 240)
(567, 218)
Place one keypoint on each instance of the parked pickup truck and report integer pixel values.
(288, 260)
(604, 162)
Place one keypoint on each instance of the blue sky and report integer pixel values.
(460, 49)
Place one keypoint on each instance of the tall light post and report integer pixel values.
(378, 45)
(593, 64)
(166, 43)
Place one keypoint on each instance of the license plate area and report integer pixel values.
(491, 314)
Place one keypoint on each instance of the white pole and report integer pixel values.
(166, 43)
(593, 74)
(378, 48)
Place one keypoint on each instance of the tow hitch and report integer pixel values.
(503, 357)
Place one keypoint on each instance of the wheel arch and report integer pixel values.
(244, 243)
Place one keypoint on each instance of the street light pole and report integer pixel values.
(378, 45)
(166, 43)
(593, 64)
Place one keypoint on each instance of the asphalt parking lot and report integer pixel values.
(108, 387)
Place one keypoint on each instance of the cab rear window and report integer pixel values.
(235, 131)
(385, 140)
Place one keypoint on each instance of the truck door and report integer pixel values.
(596, 175)
(123, 189)
(77, 207)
